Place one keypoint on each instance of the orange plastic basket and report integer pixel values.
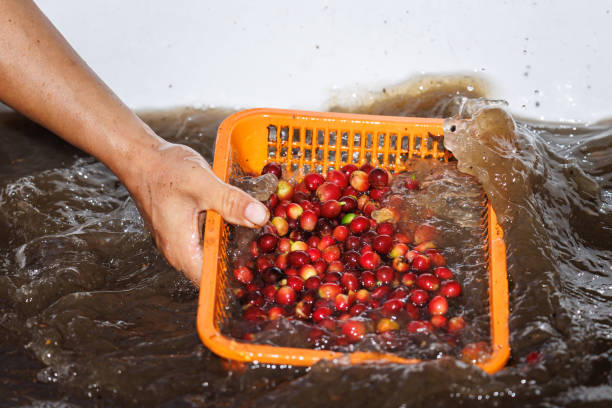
(312, 141)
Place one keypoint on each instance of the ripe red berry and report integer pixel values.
(428, 282)
(320, 266)
(438, 305)
(296, 283)
(269, 292)
(284, 244)
(273, 168)
(267, 242)
(273, 201)
(275, 312)
(533, 357)
(380, 292)
(419, 326)
(408, 279)
(382, 244)
(378, 178)
(369, 260)
(418, 297)
(359, 224)
(342, 302)
(254, 249)
(321, 312)
(392, 307)
(385, 228)
(340, 233)
(285, 295)
(385, 275)
(349, 281)
(254, 298)
(329, 291)
(367, 167)
(308, 220)
(450, 288)
(399, 293)
(298, 259)
(354, 330)
(331, 209)
(254, 314)
(349, 204)
(421, 263)
(282, 261)
(455, 324)
(348, 169)
(312, 181)
(331, 277)
(368, 279)
(312, 283)
(412, 311)
(331, 253)
(335, 266)
(438, 321)
(337, 177)
(325, 242)
(411, 184)
(271, 274)
(443, 273)
(314, 253)
(357, 309)
(243, 274)
(324, 227)
(352, 243)
(377, 194)
(328, 191)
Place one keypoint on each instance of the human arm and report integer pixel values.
(42, 77)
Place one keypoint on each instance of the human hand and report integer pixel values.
(43, 77)
(173, 189)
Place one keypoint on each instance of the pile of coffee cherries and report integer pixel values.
(334, 256)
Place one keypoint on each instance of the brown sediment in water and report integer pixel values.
(93, 315)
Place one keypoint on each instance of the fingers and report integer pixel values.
(236, 206)
(181, 246)
(193, 264)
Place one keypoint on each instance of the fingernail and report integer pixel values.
(256, 213)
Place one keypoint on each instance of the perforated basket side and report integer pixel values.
(305, 146)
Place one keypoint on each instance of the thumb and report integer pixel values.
(236, 206)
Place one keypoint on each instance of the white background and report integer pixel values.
(300, 54)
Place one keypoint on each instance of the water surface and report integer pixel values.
(93, 315)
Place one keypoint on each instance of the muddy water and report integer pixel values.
(91, 314)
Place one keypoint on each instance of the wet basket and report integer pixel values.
(313, 141)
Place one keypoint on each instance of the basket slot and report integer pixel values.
(344, 135)
(272, 133)
(284, 133)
